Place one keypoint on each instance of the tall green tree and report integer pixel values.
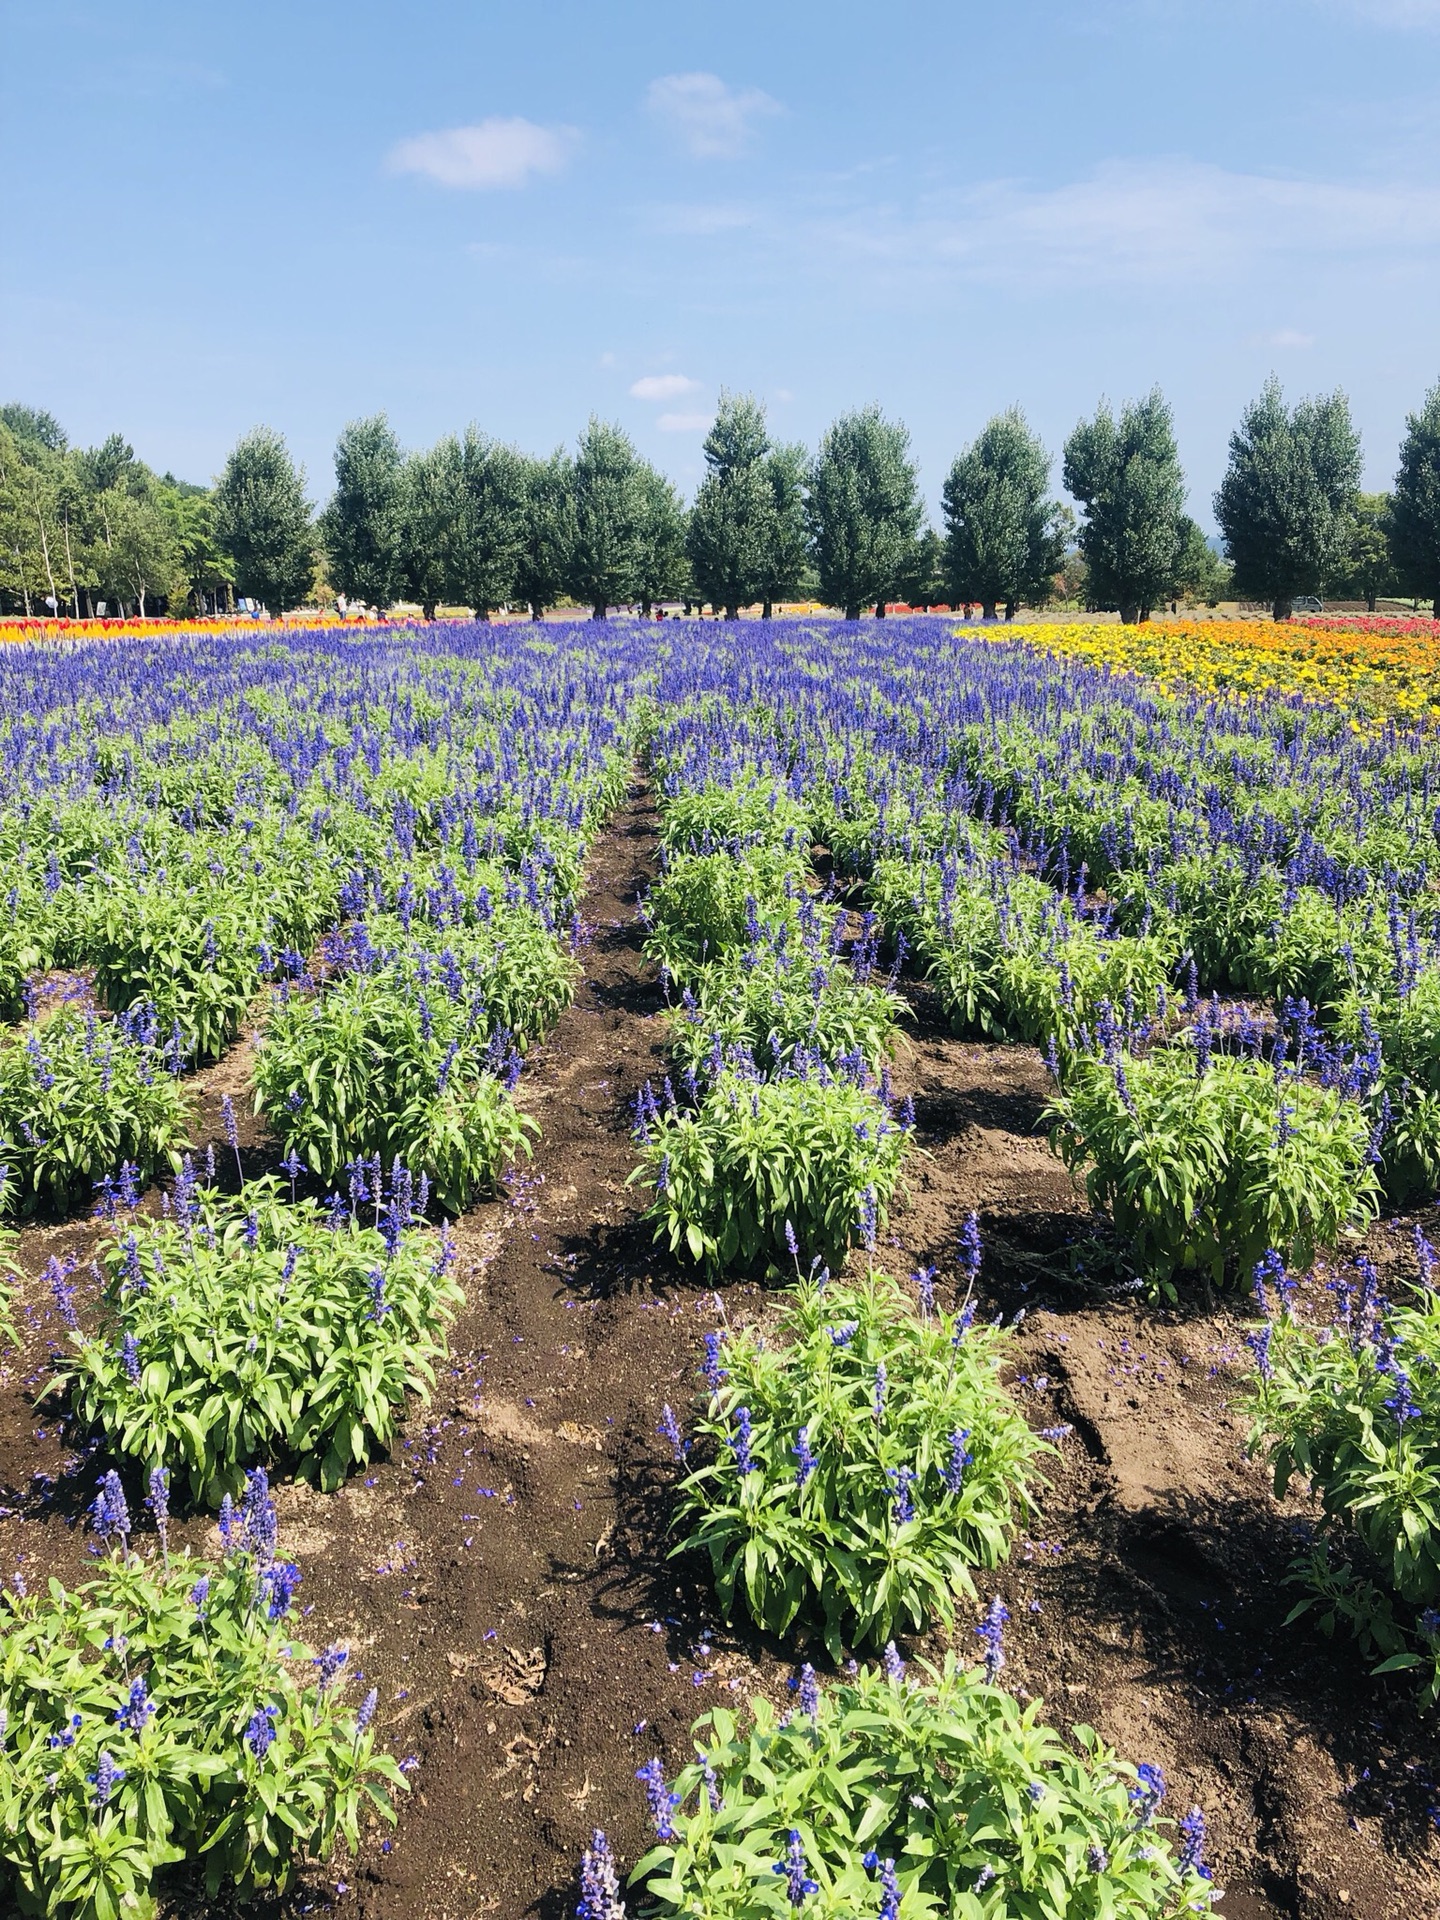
(731, 522)
(608, 548)
(862, 510)
(547, 532)
(1002, 535)
(361, 525)
(664, 571)
(33, 427)
(1285, 504)
(1415, 504)
(140, 558)
(1368, 567)
(262, 520)
(786, 558)
(1126, 475)
(922, 580)
(1200, 573)
(433, 526)
(495, 479)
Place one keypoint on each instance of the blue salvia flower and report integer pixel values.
(712, 1784)
(669, 1429)
(1425, 1254)
(894, 1666)
(1147, 1793)
(791, 1243)
(128, 1184)
(329, 1664)
(599, 1882)
(109, 1514)
(715, 1374)
(842, 1335)
(992, 1631)
(106, 1777)
(880, 1386)
(158, 1501)
(971, 1247)
(277, 1585)
(138, 1709)
(1192, 1850)
(1269, 1270)
(953, 1473)
(1259, 1345)
(869, 1219)
(808, 1687)
(659, 1800)
(740, 1445)
(367, 1710)
(260, 1734)
(901, 1501)
(805, 1462)
(798, 1885)
(889, 1892)
(57, 1278)
(130, 1357)
(200, 1594)
(925, 1283)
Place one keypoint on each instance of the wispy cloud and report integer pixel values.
(712, 121)
(683, 422)
(663, 386)
(494, 153)
(1286, 338)
(1127, 221)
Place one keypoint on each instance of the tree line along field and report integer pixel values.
(715, 1270)
(475, 524)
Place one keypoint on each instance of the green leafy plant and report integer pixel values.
(386, 1064)
(819, 1154)
(884, 1797)
(200, 967)
(857, 1465)
(242, 1329)
(163, 1716)
(1354, 1410)
(706, 903)
(77, 1097)
(772, 1004)
(1204, 1161)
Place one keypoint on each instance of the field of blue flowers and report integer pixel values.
(679, 1157)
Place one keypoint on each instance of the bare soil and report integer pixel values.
(503, 1576)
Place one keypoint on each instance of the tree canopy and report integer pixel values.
(1126, 475)
(1002, 534)
(862, 510)
(1414, 524)
(263, 519)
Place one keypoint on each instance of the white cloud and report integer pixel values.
(1140, 221)
(1288, 337)
(683, 422)
(713, 121)
(495, 153)
(663, 386)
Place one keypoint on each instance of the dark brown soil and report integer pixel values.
(504, 1580)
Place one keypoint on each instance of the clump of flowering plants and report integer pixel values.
(164, 1716)
(734, 1180)
(385, 1064)
(895, 1798)
(1354, 1409)
(241, 1328)
(1205, 1159)
(80, 1095)
(708, 902)
(856, 1468)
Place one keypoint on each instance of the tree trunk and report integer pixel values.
(1011, 608)
(1144, 615)
(1370, 599)
(600, 610)
(427, 609)
(645, 607)
(1129, 614)
(765, 610)
(987, 609)
(482, 614)
(879, 609)
(537, 612)
(852, 610)
(732, 613)
(1281, 610)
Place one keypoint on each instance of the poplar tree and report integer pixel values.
(361, 526)
(731, 528)
(1002, 534)
(1126, 475)
(262, 520)
(862, 510)
(1415, 504)
(607, 552)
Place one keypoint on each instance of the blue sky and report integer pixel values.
(299, 211)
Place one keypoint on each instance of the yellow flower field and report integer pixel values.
(1376, 675)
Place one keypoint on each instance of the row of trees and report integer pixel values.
(472, 522)
(85, 527)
